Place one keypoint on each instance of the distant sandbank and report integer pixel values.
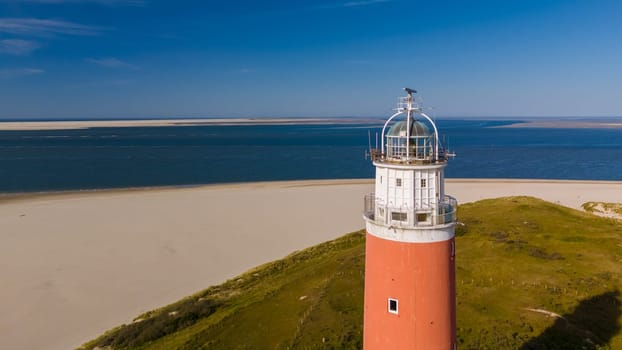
(567, 124)
(613, 123)
(76, 264)
(84, 124)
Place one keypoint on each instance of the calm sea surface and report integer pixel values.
(186, 155)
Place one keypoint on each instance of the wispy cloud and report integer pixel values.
(358, 61)
(101, 2)
(19, 72)
(45, 27)
(119, 82)
(355, 3)
(18, 47)
(111, 62)
(245, 70)
(363, 3)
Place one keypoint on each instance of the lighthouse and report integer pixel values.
(410, 291)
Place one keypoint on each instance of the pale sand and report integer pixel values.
(74, 265)
(568, 193)
(83, 124)
(566, 124)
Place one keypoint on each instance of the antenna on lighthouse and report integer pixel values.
(410, 91)
(409, 107)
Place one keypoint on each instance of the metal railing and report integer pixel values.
(447, 210)
(369, 206)
(398, 156)
(405, 102)
(375, 210)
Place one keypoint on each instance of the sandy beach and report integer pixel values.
(76, 264)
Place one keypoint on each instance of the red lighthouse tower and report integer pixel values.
(410, 292)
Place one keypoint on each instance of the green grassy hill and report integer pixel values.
(530, 275)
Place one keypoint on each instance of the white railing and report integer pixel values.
(397, 157)
(447, 209)
(406, 102)
(369, 205)
(375, 210)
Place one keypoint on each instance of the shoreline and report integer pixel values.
(76, 264)
(22, 196)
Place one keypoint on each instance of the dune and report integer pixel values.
(76, 264)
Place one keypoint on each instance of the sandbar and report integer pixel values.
(85, 124)
(74, 265)
(567, 124)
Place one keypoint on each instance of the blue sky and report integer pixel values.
(135, 58)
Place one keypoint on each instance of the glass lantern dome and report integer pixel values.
(420, 147)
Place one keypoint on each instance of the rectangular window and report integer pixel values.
(398, 182)
(381, 179)
(398, 216)
(393, 306)
(423, 183)
(422, 217)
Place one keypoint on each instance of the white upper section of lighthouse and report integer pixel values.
(410, 190)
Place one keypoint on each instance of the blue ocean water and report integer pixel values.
(52, 160)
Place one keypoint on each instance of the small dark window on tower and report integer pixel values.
(422, 217)
(423, 183)
(393, 307)
(398, 182)
(380, 179)
(398, 216)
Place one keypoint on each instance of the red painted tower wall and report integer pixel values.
(421, 276)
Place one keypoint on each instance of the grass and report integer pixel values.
(520, 262)
(518, 253)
